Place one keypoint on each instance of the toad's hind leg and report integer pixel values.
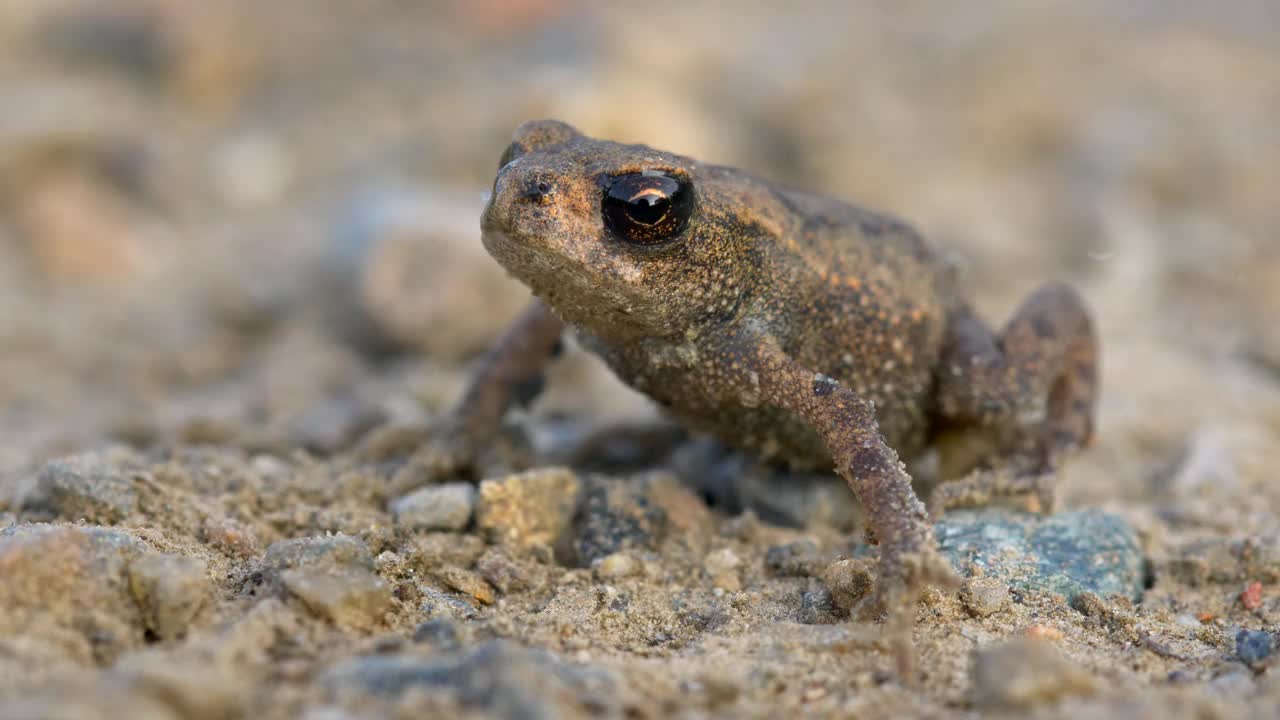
(1035, 385)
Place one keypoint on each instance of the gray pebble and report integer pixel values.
(816, 606)
(1068, 553)
(983, 596)
(501, 571)
(440, 633)
(92, 487)
(61, 581)
(1254, 646)
(333, 424)
(501, 678)
(735, 483)
(436, 507)
(617, 515)
(314, 569)
(438, 605)
(1024, 673)
(1221, 560)
(347, 596)
(1234, 685)
(318, 550)
(105, 551)
(797, 559)
(171, 590)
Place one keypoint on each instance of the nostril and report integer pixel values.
(537, 191)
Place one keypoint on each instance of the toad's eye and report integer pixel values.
(647, 208)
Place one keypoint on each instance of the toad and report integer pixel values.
(786, 323)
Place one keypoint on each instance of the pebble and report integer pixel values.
(616, 565)
(316, 551)
(436, 507)
(230, 537)
(438, 605)
(1023, 673)
(82, 230)
(466, 582)
(1233, 684)
(348, 596)
(849, 580)
(502, 571)
(67, 587)
(1067, 553)
(816, 606)
(722, 566)
(617, 515)
(790, 499)
(441, 634)
(186, 682)
(984, 596)
(1251, 596)
(1254, 646)
(688, 519)
(204, 55)
(103, 702)
(171, 590)
(528, 509)
(429, 550)
(498, 677)
(331, 424)
(91, 487)
(415, 258)
(796, 559)
(722, 560)
(253, 170)
(1205, 561)
(332, 575)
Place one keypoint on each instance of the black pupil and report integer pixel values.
(647, 198)
(647, 208)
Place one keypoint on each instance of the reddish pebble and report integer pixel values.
(1251, 598)
(1043, 632)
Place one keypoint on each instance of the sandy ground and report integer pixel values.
(240, 274)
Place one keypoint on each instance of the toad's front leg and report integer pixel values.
(509, 372)
(909, 558)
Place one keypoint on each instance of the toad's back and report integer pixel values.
(852, 294)
(863, 299)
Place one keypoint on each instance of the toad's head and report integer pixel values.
(622, 240)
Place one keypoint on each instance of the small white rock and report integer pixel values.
(617, 565)
(721, 561)
(436, 507)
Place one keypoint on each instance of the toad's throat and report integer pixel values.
(578, 298)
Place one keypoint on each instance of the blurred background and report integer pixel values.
(255, 224)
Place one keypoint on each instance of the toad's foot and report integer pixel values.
(446, 453)
(510, 373)
(1035, 384)
(904, 575)
(982, 487)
